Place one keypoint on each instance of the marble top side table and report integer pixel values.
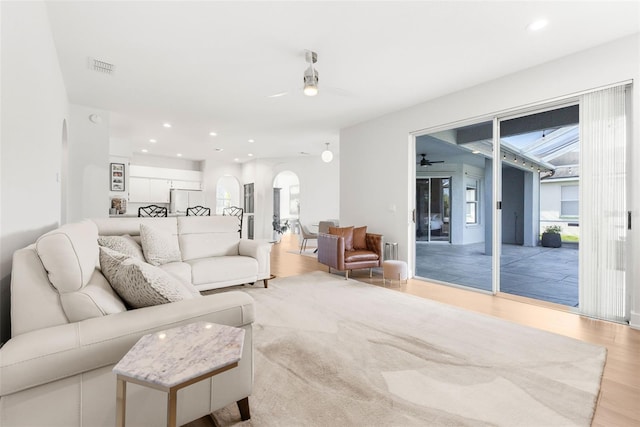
(176, 358)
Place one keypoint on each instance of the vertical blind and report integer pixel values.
(603, 204)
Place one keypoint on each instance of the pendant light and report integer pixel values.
(327, 155)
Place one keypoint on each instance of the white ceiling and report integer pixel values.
(211, 65)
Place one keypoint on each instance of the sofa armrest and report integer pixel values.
(45, 355)
(261, 251)
(374, 243)
(331, 250)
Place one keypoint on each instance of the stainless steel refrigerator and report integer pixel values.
(183, 199)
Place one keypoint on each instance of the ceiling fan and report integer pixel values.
(426, 162)
(310, 79)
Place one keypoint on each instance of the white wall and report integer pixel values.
(380, 192)
(33, 108)
(319, 189)
(88, 183)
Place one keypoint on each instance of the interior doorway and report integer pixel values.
(286, 203)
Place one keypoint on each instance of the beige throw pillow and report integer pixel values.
(123, 244)
(141, 284)
(159, 246)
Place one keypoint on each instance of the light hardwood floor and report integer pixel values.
(619, 400)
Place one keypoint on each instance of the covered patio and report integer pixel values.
(547, 274)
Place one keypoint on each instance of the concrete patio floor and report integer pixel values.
(547, 274)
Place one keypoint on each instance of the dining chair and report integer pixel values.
(152, 210)
(198, 211)
(306, 235)
(235, 211)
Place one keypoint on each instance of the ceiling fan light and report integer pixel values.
(310, 90)
(327, 155)
(311, 82)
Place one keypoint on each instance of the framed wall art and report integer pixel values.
(117, 176)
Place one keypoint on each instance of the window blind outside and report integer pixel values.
(603, 204)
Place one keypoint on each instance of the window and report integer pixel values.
(223, 200)
(472, 203)
(227, 193)
(569, 200)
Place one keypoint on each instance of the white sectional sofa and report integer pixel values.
(69, 327)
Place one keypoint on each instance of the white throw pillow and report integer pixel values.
(141, 284)
(159, 246)
(110, 262)
(123, 244)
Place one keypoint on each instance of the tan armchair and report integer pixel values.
(366, 253)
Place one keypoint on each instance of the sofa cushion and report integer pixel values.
(159, 246)
(222, 269)
(207, 236)
(143, 285)
(181, 271)
(347, 233)
(360, 238)
(123, 244)
(69, 254)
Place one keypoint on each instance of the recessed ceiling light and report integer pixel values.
(167, 125)
(236, 159)
(250, 154)
(537, 25)
(179, 154)
(213, 134)
(251, 140)
(219, 149)
(153, 141)
(475, 152)
(144, 150)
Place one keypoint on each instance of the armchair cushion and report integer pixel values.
(360, 255)
(360, 238)
(347, 233)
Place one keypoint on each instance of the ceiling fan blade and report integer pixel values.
(278, 95)
(436, 161)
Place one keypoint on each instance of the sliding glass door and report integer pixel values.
(453, 206)
(556, 229)
(433, 202)
(540, 180)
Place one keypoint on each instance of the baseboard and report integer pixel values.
(634, 320)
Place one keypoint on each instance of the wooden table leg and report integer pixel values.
(172, 406)
(243, 407)
(121, 402)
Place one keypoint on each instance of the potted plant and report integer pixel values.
(278, 228)
(551, 237)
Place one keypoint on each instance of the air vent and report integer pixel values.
(101, 66)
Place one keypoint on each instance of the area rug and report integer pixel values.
(335, 352)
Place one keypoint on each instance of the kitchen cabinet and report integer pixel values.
(149, 190)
